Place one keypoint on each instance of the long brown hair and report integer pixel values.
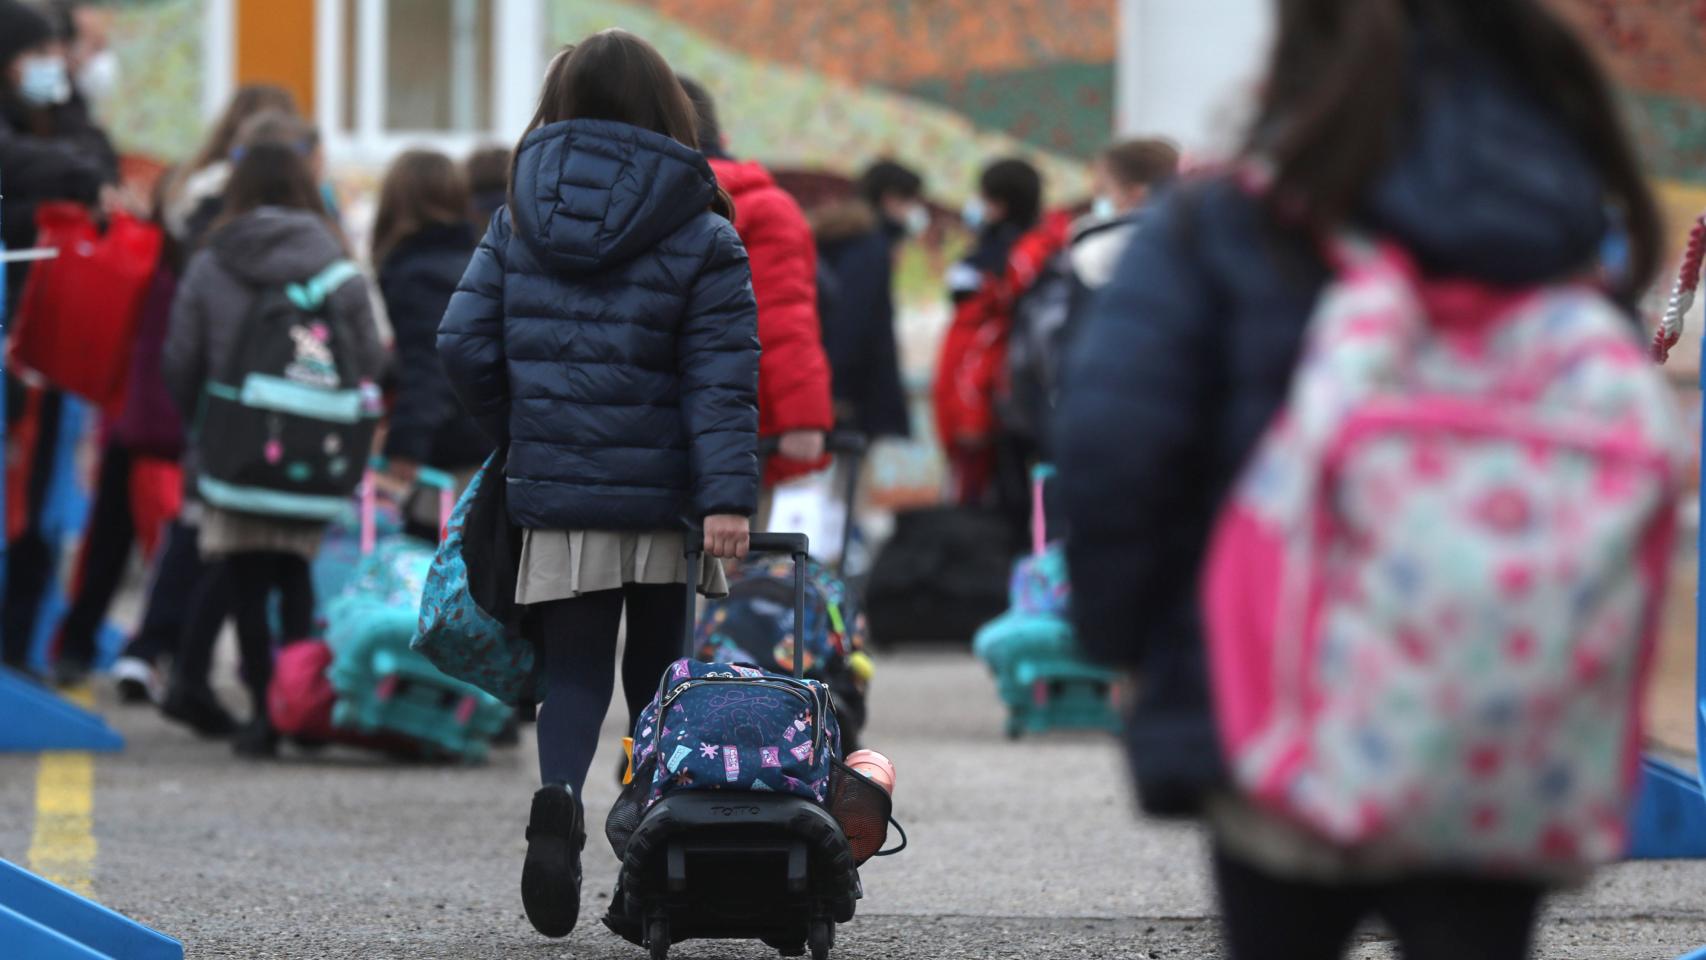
(1336, 81)
(270, 175)
(422, 188)
(249, 100)
(615, 75)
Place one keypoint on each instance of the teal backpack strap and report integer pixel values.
(311, 294)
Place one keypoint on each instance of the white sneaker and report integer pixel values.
(137, 680)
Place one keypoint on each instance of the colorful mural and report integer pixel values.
(159, 50)
(790, 114)
(1040, 70)
(1656, 50)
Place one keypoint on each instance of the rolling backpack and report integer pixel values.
(1430, 598)
(287, 423)
(1042, 678)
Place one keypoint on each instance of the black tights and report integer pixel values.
(241, 585)
(580, 666)
(1441, 917)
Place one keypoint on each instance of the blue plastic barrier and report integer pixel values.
(43, 921)
(1670, 815)
(33, 718)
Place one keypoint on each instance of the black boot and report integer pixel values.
(257, 740)
(199, 710)
(551, 875)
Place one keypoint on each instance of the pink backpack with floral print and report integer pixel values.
(1431, 595)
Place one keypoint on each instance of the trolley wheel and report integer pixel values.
(657, 938)
(820, 938)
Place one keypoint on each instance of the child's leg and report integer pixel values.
(655, 614)
(210, 603)
(296, 598)
(190, 699)
(580, 667)
(252, 582)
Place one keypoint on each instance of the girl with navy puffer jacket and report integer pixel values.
(606, 333)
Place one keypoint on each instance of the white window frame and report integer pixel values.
(515, 57)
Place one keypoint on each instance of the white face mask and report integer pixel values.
(44, 82)
(973, 213)
(1103, 208)
(917, 220)
(98, 77)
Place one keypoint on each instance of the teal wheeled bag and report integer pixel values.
(383, 686)
(1043, 680)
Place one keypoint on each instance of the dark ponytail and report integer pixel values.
(1330, 113)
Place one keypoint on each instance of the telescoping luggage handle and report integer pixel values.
(795, 545)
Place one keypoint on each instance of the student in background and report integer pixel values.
(794, 403)
(1124, 177)
(272, 230)
(989, 456)
(858, 242)
(195, 190)
(50, 150)
(1483, 139)
(422, 243)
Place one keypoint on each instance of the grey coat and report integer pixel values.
(269, 247)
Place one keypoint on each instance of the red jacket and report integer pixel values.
(972, 367)
(793, 371)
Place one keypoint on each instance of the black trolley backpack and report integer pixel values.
(286, 422)
(731, 862)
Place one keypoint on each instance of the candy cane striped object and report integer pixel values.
(1682, 295)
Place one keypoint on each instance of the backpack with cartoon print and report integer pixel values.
(286, 424)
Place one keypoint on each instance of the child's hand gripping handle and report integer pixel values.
(796, 545)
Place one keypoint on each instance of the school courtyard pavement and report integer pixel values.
(1020, 850)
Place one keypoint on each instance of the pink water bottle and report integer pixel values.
(875, 766)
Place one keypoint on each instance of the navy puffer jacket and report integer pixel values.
(606, 330)
(1187, 354)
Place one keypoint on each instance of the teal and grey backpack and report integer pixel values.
(287, 423)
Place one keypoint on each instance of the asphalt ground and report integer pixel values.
(1022, 850)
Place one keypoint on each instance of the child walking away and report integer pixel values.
(422, 243)
(794, 403)
(606, 333)
(270, 356)
(1424, 706)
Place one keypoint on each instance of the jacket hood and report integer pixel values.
(1486, 184)
(590, 194)
(276, 245)
(740, 177)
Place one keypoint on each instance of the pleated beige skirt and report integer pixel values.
(564, 564)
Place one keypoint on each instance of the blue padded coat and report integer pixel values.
(606, 330)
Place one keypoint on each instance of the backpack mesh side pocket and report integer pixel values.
(862, 808)
(630, 808)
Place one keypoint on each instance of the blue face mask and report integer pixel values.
(1102, 208)
(973, 213)
(44, 82)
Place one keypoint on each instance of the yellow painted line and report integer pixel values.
(62, 849)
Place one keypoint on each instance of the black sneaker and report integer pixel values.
(199, 710)
(551, 875)
(257, 740)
